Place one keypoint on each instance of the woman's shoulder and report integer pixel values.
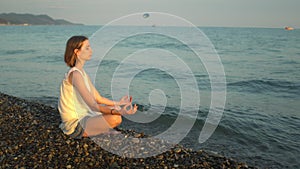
(73, 69)
(71, 72)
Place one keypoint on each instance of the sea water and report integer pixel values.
(261, 120)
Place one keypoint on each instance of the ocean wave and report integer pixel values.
(153, 41)
(18, 51)
(47, 100)
(167, 45)
(264, 86)
(289, 62)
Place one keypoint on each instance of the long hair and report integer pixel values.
(75, 42)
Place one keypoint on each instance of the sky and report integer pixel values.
(220, 13)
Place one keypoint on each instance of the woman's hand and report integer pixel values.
(124, 101)
(124, 106)
(128, 109)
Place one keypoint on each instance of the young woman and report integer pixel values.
(84, 112)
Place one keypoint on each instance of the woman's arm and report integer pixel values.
(102, 100)
(99, 99)
(77, 81)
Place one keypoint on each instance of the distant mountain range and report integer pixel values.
(30, 19)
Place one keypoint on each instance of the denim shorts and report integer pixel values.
(79, 130)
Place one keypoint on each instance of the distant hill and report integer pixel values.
(30, 19)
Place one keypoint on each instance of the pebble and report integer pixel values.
(177, 150)
(33, 139)
(135, 140)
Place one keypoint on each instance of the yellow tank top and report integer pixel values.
(71, 106)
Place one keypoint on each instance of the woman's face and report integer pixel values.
(85, 52)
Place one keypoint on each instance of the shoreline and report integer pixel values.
(32, 139)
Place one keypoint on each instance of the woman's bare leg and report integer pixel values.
(101, 124)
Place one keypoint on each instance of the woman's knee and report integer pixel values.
(114, 120)
(118, 120)
(100, 124)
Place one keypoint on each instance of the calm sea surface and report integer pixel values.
(261, 121)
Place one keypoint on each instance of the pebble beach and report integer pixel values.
(31, 138)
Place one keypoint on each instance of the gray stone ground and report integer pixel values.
(30, 138)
